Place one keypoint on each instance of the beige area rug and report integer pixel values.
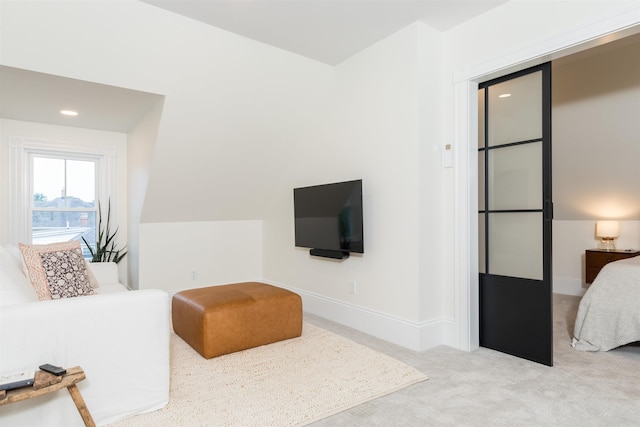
(292, 382)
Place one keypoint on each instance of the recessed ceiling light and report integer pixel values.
(504, 95)
(68, 112)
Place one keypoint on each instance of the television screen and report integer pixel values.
(329, 217)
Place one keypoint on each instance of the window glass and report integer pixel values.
(64, 200)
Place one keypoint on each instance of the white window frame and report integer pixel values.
(21, 152)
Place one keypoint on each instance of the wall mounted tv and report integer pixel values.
(328, 219)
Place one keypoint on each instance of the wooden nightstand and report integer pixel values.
(595, 259)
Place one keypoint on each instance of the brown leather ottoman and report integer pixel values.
(222, 319)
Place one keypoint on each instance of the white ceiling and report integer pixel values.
(328, 31)
(325, 30)
(38, 97)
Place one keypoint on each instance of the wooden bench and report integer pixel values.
(46, 383)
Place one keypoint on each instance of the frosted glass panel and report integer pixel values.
(481, 180)
(481, 244)
(515, 245)
(481, 118)
(515, 177)
(515, 110)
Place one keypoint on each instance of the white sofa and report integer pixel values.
(119, 337)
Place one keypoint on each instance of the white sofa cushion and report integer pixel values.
(104, 272)
(109, 288)
(15, 288)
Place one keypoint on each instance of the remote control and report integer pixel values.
(55, 370)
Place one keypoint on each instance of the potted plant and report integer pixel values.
(106, 250)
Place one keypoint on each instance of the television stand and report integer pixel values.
(325, 253)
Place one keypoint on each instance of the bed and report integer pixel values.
(609, 312)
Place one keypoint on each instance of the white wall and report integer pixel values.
(179, 256)
(233, 111)
(506, 37)
(433, 238)
(373, 130)
(5, 177)
(232, 106)
(140, 147)
(596, 134)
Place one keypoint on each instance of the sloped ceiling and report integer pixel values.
(328, 31)
(38, 97)
(325, 30)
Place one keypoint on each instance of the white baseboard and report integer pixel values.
(568, 286)
(417, 336)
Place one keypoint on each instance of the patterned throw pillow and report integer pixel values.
(57, 270)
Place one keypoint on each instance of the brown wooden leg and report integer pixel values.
(82, 407)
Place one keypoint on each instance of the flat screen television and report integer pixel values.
(328, 218)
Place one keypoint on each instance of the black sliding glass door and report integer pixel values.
(515, 214)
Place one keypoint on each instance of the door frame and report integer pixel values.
(466, 274)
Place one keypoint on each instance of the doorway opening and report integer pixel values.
(466, 166)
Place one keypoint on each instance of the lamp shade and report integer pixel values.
(610, 229)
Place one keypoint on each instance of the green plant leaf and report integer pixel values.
(106, 250)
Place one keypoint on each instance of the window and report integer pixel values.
(63, 199)
(57, 187)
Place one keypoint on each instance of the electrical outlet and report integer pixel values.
(352, 287)
(194, 274)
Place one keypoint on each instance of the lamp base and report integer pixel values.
(607, 244)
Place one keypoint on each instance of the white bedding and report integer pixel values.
(609, 312)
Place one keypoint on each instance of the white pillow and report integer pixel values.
(15, 288)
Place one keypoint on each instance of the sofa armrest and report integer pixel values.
(104, 272)
(121, 340)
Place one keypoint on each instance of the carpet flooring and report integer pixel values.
(488, 388)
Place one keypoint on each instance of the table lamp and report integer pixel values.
(607, 231)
